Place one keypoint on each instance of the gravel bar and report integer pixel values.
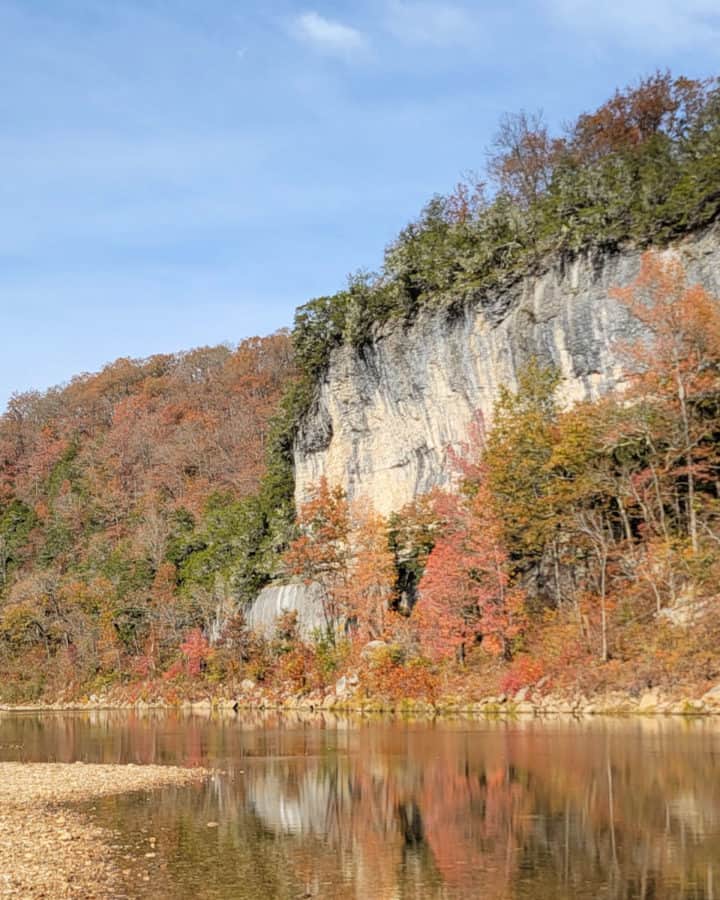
(48, 850)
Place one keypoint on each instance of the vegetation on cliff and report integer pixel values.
(642, 169)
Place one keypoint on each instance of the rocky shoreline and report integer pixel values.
(51, 850)
(344, 698)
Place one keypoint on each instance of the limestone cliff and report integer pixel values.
(385, 414)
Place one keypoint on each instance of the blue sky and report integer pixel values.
(186, 172)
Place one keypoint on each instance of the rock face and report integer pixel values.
(386, 414)
(277, 599)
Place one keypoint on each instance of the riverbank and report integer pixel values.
(345, 698)
(50, 849)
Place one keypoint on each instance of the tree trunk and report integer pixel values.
(685, 419)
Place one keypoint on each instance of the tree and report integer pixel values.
(656, 105)
(466, 201)
(196, 650)
(372, 580)
(516, 460)
(677, 365)
(523, 157)
(322, 552)
(139, 477)
(466, 590)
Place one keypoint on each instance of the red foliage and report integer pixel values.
(524, 671)
(466, 590)
(196, 651)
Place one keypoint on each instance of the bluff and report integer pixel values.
(385, 414)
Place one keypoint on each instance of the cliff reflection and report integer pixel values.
(498, 814)
(312, 807)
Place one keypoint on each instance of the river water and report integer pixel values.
(328, 807)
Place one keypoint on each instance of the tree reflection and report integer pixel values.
(607, 809)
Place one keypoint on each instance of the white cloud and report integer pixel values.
(659, 24)
(431, 24)
(328, 36)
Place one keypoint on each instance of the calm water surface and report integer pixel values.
(337, 808)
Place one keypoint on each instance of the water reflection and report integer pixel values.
(313, 806)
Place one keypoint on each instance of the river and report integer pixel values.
(330, 807)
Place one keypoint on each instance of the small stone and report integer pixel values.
(212, 824)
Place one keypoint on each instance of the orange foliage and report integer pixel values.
(676, 366)
(413, 680)
(321, 554)
(372, 576)
(632, 116)
(466, 589)
(159, 424)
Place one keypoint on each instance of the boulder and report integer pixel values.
(712, 696)
(371, 648)
(649, 701)
(276, 599)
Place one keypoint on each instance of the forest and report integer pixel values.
(142, 508)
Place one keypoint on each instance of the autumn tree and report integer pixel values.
(523, 156)
(195, 650)
(372, 577)
(466, 590)
(321, 553)
(658, 104)
(675, 368)
(466, 201)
